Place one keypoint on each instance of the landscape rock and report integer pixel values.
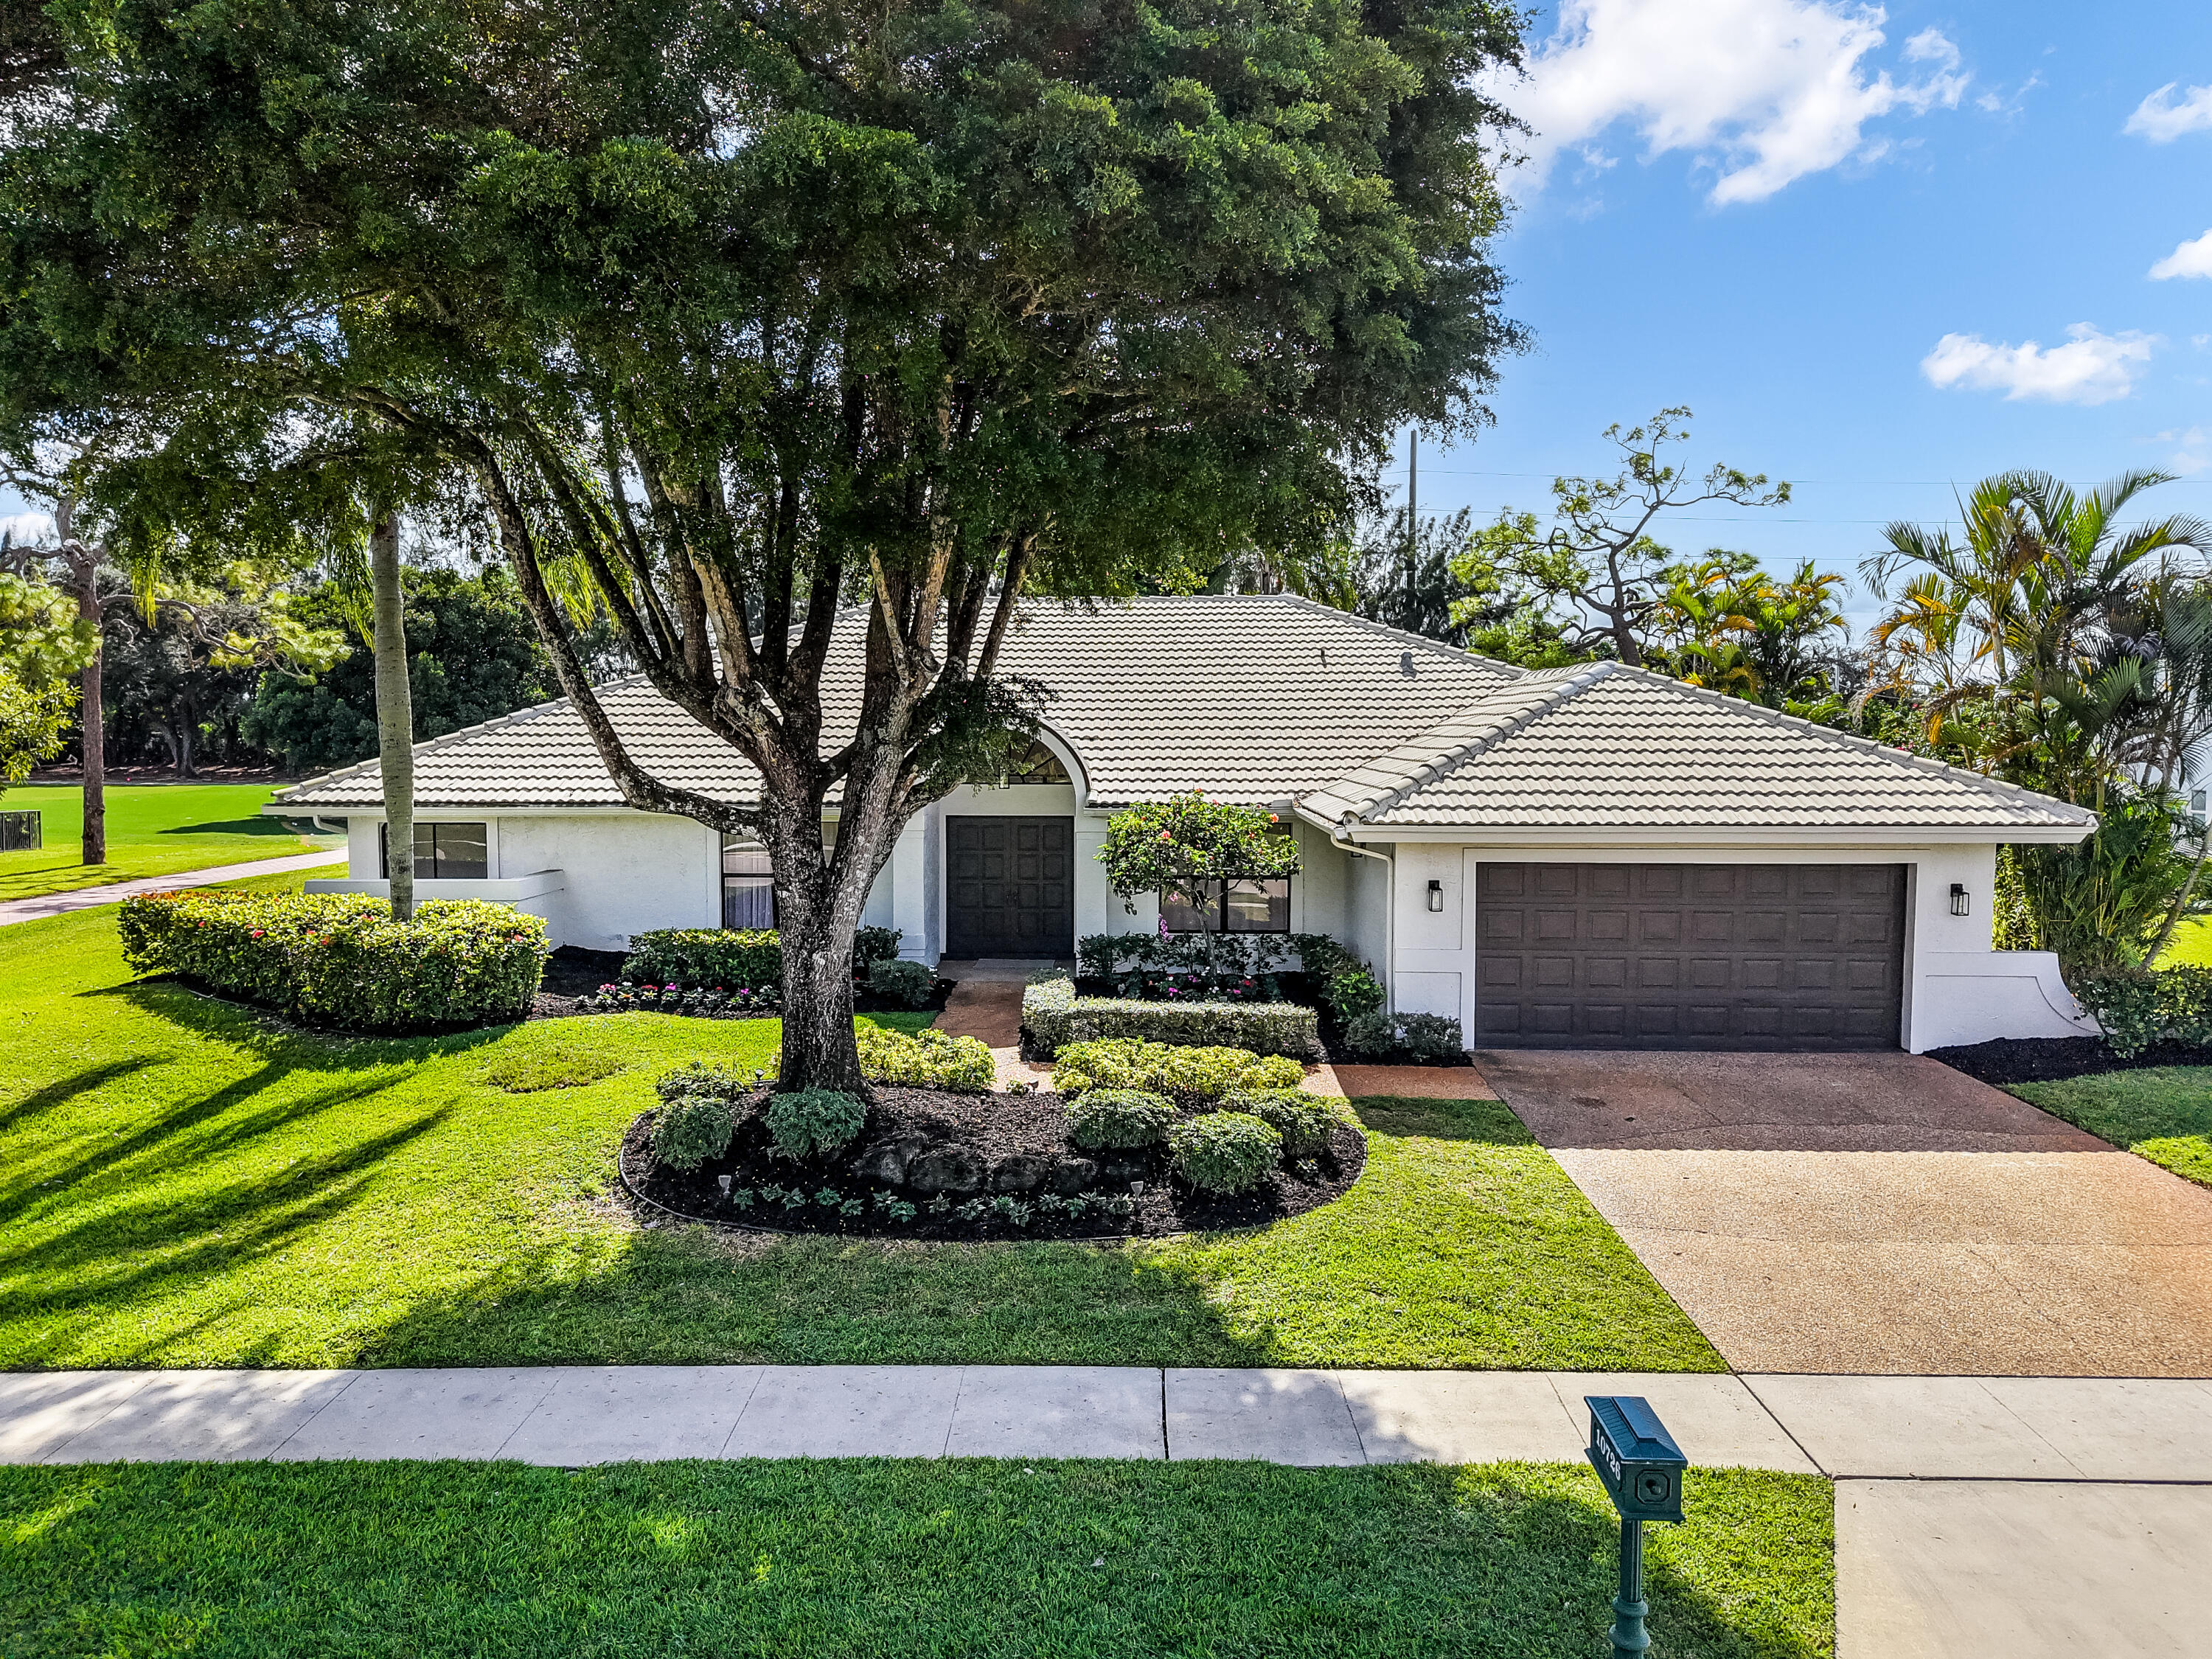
(888, 1160)
(1020, 1172)
(1073, 1175)
(951, 1169)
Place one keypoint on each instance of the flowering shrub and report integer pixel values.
(1191, 1076)
(1055, 1016)
(929, 1059)
(1179, 845)
(339, 959)
(1224, 1151)
(719, 1001)
(1107, 1119)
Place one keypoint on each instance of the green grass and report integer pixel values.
(153, 830)
(2162, 1112)
(183, 1184)
(820, 1560)
(2190, 945)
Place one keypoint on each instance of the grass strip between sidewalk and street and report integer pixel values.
(184, 1183)
(881, 1558)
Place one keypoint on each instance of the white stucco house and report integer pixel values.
(1591, 857)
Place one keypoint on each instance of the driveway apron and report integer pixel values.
(1877, 1213)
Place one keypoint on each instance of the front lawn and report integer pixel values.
(2162, 1112)
(2190, 945)
(153, 830)
(183, 1184)
(1236, 1560)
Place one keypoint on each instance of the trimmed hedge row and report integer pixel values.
(2138, 1009)
(339, 959)
(1054, 1016)
(733, 957)
(1190, 1077)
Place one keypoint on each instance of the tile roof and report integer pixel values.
(1249, 697)
(1602, 746)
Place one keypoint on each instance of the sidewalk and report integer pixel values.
(84, 898)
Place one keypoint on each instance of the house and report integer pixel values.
(1586, 857)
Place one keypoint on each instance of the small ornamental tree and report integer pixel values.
(1183, 846)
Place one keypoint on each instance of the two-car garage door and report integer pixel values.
(1689, 955)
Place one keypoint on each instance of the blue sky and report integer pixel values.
(1775, 211)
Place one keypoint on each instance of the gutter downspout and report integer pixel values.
(1389, 914)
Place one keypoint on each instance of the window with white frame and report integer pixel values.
(443, 851)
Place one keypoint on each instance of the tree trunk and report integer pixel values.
(83, 566)
(818, 1002)
(395, 715)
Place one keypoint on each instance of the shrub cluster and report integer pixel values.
(1113, 1120)
(929, 1059)
(339, 959)
(906, 983)
(1055, 1016)
(1101, 956)
(1353, 993)
(1191, 1076)
(810, 1120)
(705, 957)
(718, 1002)
(1418, 1036)
(1224, 1152)
(2138, 1009)
(1304, 1120)
(692, 1128)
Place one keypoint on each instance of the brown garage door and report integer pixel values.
(1689, 955)
(1012, 887)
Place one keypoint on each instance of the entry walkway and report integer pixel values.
(114, 892)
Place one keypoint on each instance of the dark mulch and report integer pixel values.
(994, 1127)
(2053, 1060)
(572, 973)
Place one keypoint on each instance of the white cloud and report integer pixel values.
(2190, 259)
(2192, 449)
(25, 528)
(2162, 117)
(2091, 368)
(1765, 91)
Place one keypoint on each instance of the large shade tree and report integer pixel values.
(801, 340)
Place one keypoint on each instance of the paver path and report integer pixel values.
(114, 892)
(1878, 1213)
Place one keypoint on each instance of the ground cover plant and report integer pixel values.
(153, 830)
(184, 1183)
(2163, 1113)
(861, 1558)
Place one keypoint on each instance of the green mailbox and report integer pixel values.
(1641, 1467)
(1636, 1457)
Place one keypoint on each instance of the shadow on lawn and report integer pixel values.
(263, 1031)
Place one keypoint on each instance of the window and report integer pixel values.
(1036, 765)
(747, 885)
(443, 852)
(1244, 905)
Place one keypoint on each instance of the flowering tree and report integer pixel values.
(1179, 846)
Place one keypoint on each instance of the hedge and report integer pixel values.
(1190, 1077)
(1054, 1016)
(733, 958)
(339, 959)
(2138, 1009)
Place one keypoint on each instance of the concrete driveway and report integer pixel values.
(1877, 1213)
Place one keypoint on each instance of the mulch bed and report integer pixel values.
(572, 973)
(994, 1127)
(2054, 1060)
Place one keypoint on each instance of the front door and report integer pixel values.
(1010, 887)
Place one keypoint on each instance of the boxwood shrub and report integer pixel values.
(1055, 1016)
(1224, 1152)
(1111, 1119)
(929, 1059)
(339, 959)
(705, 957)
(1190, 1076)
(1304, 1120)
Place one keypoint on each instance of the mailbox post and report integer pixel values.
(1641, 1467)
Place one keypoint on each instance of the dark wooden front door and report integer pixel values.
(1783, 957)
(1011, 887)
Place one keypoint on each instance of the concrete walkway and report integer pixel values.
(2033, 1516)
(114, 892)
(1878, 1213)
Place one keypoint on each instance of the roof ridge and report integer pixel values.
(2013, 794)
(1439, 647)
(432, 746)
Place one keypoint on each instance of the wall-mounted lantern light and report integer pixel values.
(1960, 902)
(1435, 896)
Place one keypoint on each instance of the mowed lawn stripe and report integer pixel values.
(183, 1183)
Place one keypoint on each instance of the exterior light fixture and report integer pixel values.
(1641, 1469)
(1960, 902)
(1435, 896)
